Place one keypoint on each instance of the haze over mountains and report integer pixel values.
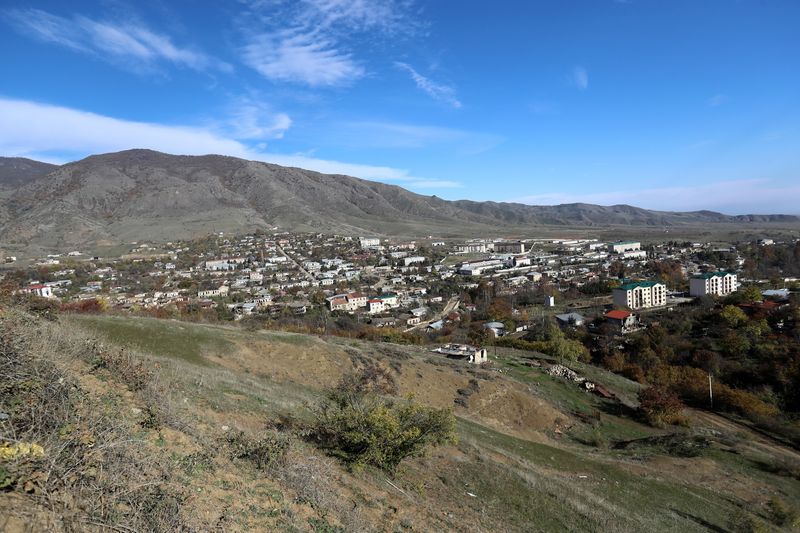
(147, 195)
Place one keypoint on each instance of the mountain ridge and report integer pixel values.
(144, 194)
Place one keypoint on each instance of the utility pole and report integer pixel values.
(710, 393)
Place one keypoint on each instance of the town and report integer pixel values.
(454, 293)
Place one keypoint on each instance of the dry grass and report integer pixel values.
(91, 472)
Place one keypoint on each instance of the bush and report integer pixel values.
(781, 514)
(128, 368)
(364, 428)
(660, 406)
(264, 450)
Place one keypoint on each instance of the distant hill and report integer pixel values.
(142, 194)
(16, 171)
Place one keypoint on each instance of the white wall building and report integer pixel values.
(641, 295)
(624, 246)
(367, 242)
(716, 283)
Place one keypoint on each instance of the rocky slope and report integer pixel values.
(142, 194)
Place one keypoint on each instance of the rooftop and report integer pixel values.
(709, 275)
(635, 284)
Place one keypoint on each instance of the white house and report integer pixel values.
(38, 289)
(412, 260)
(375, 305)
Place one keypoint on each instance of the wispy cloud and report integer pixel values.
(580, 78)
(733, 196)
(251, 118)
(310, 42)
(295, 56)
(437, 91)
(131, 45)
(717, 100)
(60, 134)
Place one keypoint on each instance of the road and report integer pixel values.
(305, 272)
(452, 305)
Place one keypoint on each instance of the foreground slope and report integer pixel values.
(534, 452)
(147, 195)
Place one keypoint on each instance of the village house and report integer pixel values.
(37, 289)
(625, 321)
(375, 305)
(223, 290)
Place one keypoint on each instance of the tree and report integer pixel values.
(660, 406)
(733, 316)
(751, 294)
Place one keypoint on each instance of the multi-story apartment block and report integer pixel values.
(509, 247)
(716, 283)
(640, 295)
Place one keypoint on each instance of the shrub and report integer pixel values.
(265, 450)
(128, 368)
(364, 428)
(90, 305)
(660, 406)
(781, 514)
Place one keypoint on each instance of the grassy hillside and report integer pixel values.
(159, 412)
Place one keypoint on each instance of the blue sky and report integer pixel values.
(677, 105)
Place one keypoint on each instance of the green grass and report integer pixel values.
(543, 490)
(167, 338)
(536, 487)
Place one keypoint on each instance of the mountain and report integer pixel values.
(142, 194)
(16, 171)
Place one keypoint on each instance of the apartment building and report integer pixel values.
(640, 295)
(713, 283)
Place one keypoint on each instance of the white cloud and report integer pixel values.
(253, 119)
(133, 45)
(60, 134)
(437, 91)
(734, 196)
(580, 78)
(717, 100)
(299, 57)
(360, 15)
(311, 41)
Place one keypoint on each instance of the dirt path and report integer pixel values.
(753, 440)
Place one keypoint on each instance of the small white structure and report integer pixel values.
(463, 351)
(413, 260)
(43, 291)
(549, 301)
